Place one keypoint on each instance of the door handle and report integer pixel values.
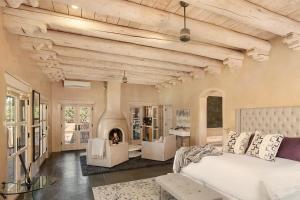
(75, 127)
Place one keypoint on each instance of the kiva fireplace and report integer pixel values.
(112, 121)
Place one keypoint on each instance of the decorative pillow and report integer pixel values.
(253, 149)
(265, 146)
(269, 146)
(231, 140)
(242, 143)
(289, 149)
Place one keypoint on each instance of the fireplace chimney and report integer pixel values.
(112, 118)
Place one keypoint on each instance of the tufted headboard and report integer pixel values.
(283, 120)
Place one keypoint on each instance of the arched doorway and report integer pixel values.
(212, 101)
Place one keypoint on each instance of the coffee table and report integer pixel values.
(184, 188)
(38, 183)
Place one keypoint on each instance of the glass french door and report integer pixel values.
(43, 131)
(76, 126)
(16, 122)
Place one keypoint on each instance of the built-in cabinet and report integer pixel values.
(136, 119)
(149, 123)
(166, 118)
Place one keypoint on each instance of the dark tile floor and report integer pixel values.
(73, 186)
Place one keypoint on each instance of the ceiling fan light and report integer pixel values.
(183, 4)
(185, 35)
(124, 79)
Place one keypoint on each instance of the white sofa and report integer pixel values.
(160, 151)
(114, 154)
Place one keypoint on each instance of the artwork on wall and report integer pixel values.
(36, 124)
(214, 112)
(183, 118)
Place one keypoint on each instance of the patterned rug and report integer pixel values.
(132, 163)
(144, 189)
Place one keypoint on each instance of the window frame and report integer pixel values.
(17, 124)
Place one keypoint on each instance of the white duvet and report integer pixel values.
(247, 178)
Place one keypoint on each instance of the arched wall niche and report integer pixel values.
(202, 124)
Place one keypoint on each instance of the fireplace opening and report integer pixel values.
(115, 135)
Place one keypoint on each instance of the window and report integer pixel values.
(11, 142)
(10, 111)
(16, 111)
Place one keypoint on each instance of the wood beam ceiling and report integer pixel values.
(162, 19)
(17, 3)
(126, 60)
(67, 46)
(256, 16)
(111, 72)
(77, 76)
(109, 46)
(51, 56)
(104, 65)
(66, 23)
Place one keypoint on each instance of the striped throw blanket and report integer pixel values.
(186, 155)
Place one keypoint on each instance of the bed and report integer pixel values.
(247, 178)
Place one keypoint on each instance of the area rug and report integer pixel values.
(144, 189)
(132, 163)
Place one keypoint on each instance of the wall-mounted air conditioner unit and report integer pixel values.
(77, 84)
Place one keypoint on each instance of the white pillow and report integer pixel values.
(283, 183)
(253, 149)
(269, 147)
(242, 142)
(265, 146)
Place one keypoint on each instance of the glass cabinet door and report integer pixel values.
(136, 123)
(155, 135)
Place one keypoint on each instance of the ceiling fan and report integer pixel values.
(124, 79)
(185, 32)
